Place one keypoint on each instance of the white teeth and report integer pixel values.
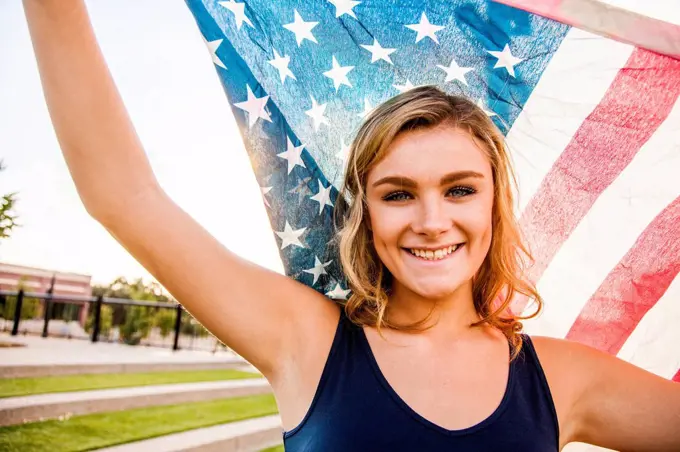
(434, 255)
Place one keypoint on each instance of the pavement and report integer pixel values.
(41, 357)
(60, 351)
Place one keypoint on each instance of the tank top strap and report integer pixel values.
(336, 361)
(532, 374)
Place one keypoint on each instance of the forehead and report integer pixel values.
(431, 152)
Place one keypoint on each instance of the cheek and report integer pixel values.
(479, 224)
(386, 224)
(384, 233)
(485, 231)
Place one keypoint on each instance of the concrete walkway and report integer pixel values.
(54, 356)
(242, 436)
(16, 410)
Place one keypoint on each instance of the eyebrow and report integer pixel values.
(447, 179)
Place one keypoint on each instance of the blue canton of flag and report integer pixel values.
(301, 76)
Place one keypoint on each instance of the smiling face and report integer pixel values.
(430, 204)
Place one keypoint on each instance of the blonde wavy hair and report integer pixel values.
(501, 275)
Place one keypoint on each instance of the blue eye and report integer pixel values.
(461, 191)
(456, 192)
(397, 196)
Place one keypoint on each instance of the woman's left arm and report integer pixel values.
(608, 402)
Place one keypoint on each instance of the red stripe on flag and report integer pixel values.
(636, 103)
(677, 376)
(609, 21)
(633, 287)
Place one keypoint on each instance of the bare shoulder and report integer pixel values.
(568, 367)
(569, 360)
(556, 352)
(316, 323)
(298, 378)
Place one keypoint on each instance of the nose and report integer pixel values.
(432, 218)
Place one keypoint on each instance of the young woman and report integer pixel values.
(424, 356)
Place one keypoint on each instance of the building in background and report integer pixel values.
(39, 280)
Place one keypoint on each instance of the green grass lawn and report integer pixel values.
(13, 387)
(93, 431)
(274, 449)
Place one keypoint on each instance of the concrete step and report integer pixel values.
(241, 436)
(49, 370)
(16, 410)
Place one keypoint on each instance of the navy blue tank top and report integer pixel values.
(355, 409)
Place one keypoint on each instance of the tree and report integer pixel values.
(165, 321)
(29, 306)
(137, 325)
(135, 290)
(192, 327)
(105, 321)
(135, 321)
(7, 215)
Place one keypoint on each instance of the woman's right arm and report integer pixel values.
(266, 317)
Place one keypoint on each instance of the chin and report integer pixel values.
(436, 289)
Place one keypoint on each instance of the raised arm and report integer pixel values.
(605, 401)
(265, 317)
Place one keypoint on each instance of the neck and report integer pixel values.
(451, 315)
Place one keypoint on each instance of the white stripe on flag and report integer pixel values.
(572, 85)
(647, 185)
(655, 343)
(659, 9)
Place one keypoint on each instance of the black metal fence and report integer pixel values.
(104, 319)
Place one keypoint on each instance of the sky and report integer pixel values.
(167, 80)
(169, 85)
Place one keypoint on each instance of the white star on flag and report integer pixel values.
(318, 269)
(425, 29)
(506, 59)
(405, 87)
(264, 191)
(239, 10)
(338, 293)
(212, 46)
(339, 74)
(323, 197)
(281, 63)
(293, 155)
(455, 72)
(290, 237)
(255, 106)
(489, 113)
(378, 52)
(343, 153)
(367, 109)
(344, 7)
(302, 29)
(316, 113)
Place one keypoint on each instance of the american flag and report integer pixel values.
(592, 123)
